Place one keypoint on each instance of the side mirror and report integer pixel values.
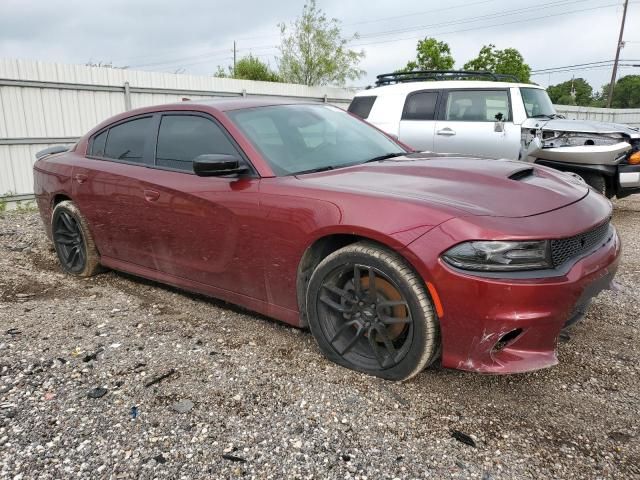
(216, 165)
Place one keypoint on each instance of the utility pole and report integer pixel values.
(234, 58)
(615, 63)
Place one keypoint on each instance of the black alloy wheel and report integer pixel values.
(69, 243)
(369, 311)
(73, 241)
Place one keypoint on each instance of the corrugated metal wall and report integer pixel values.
(629, 116)
(43, 104)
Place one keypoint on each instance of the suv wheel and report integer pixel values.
(598, 183)
(370, 312)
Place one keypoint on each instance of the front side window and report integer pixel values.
(126, 141)
(182, 138)
(477, 106)
(537, 103)
(420, 106)
(303, 138)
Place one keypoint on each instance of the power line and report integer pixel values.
(490, 26)
(475, 18)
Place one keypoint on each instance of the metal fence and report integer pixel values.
(629, 116)
(44, 104)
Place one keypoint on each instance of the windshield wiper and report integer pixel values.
(548, 115)
(385, 157)
(315, 170)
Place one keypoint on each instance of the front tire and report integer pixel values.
(73, 242)
(370, 312)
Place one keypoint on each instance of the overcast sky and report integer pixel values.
(194, 36)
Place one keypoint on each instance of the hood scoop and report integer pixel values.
(522, 174)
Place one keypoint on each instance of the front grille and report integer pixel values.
(568, 248)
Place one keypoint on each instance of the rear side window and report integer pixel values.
(478, 106)
(98, 144)
(126, 141)
(361, 106)
(182, 138)
(420, 106)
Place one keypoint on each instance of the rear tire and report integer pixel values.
(73, 242)
(370, 312)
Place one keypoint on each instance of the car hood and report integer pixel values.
(580, 126)
(464, 186)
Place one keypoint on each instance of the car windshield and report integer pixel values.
(537, 103)
(297, 139)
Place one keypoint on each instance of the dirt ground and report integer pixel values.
(188, 387)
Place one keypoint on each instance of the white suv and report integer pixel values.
(453, 112)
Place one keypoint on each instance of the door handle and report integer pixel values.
(447, 132)
(80, 177)
(151, 195)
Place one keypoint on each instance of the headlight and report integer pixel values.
(498, 256)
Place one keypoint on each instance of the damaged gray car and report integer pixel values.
(490, 115)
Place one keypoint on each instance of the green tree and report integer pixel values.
(249, 68)
(507, 62)
(561, 93)
(626, 93)
(431, 55)
(314, 52)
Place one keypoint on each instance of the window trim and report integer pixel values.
(445, 97)
(439, 92)
(145, 150)
(253, 173)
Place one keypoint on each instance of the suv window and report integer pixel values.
(477, 106)
(361, 106)
(182, 138)
(420, 106)
(126, 140)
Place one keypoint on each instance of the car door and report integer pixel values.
(477, 122)
(109, 188)
(203, 228)
(417, 124)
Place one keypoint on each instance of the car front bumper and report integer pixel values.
(511, 325)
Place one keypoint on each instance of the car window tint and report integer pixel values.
(126, 140)
(182, 138)
(420, 106)
(477, 106)
(312, 137)
(97, 144)
(361, 106)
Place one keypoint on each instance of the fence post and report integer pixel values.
(127, 96)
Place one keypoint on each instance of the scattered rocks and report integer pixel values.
(270, 406)
(97, 392)
(183, 406)
(463, 438)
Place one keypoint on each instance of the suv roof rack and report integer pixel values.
(438, 75)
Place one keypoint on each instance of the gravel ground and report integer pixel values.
(188, 387)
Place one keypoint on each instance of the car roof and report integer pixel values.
(236, 103)
(408, 87)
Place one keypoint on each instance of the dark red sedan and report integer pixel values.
(306, 214)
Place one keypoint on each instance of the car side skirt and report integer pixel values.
(285, 315)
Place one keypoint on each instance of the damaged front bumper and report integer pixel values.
(511, 323)
(585, 154)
